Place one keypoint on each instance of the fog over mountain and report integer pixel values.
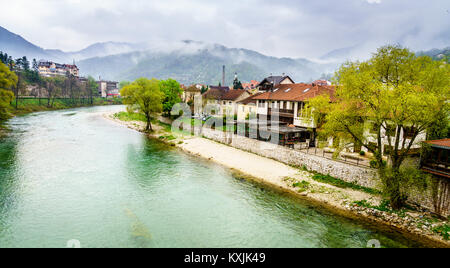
(186, 61)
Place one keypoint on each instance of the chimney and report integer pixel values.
(223, 76)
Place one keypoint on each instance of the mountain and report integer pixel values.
(436, 54)
(196, 62)
(187, 61)
(17, 46)
(104, 49)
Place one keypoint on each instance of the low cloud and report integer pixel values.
(293, 28)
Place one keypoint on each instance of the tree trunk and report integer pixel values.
(393, 187)
(149, 124)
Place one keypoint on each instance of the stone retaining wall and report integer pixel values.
(362, 176)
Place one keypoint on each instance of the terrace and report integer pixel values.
(437, 161)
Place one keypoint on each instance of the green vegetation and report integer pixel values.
(392, 93)
(7, 80)
(343, 184)
(172, 94)
(384, 205)
(443, 230)
(145, 96)
(130, 116)
(303, 186)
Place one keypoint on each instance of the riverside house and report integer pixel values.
(225, 99)
(191, 92)
(247, 107)
(287, 102)
(270, 82)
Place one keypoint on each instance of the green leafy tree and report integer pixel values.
(122, 84)
(172, 94)
(144, 95)
(7, 80)
(92, 88)
(392, 92)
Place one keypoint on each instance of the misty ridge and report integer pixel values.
(187, 61)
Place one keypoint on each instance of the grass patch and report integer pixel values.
(444, 231)
(303, 186)
(384, 205)
(343, 184)
(125, 116)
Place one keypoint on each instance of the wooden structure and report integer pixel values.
(437, 162)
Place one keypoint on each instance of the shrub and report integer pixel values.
(362, 153)
(443, 230)
(374, 164)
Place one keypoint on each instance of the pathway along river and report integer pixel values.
(74, 175)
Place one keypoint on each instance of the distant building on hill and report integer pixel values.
(52, 69)
(108, 88)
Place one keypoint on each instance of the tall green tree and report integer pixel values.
(145, 96)
(392, 93)
(172, 94)
(7, 80)
(92, 88)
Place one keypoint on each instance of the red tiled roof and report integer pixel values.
(296, 92)
(233, 94)
(250, 99)
(444, 144)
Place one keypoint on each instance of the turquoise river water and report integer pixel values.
(74, 175)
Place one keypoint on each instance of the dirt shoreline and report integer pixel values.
(281, 177)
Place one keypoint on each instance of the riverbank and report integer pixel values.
(33, 105)
(360, 205)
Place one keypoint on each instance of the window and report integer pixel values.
(287, 90)
(408, 132)
(306, 90)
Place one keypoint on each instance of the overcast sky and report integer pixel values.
(294, 28)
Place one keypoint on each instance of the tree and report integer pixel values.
(7, 80)
(145, 95)
(92, 88)
(236, 83)
(122, 84)
(172, 94)
(392, 93)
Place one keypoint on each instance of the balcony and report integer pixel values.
(437, 168)
(283, 113)
(306, 122)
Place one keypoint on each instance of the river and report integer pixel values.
(72, 174)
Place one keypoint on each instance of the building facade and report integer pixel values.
(52, 69)
(108, 89)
